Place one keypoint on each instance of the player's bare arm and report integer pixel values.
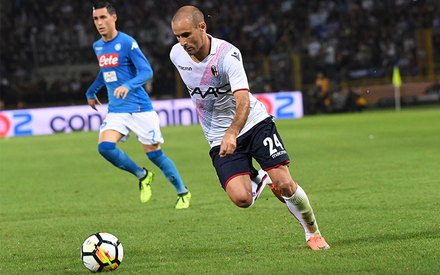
(229, 141)
(92, 102)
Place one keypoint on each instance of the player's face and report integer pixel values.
(105, 23)
(191, 38)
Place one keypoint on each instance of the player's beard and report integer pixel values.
(189, 50)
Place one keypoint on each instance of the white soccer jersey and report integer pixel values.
(211, 84)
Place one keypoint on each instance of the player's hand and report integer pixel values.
(228, 145)
(92, 102)
(121, 91)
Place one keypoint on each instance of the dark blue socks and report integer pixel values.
(119, 159)
(168, 168)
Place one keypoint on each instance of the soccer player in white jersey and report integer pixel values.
(123, 70)
(236, 125)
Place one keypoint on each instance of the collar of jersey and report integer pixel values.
(114, 38)
(214, 44)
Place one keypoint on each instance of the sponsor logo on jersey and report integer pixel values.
(214, 70)
(236, 55)
(110, 76)
(185, 68)
(134, 45)
(108, 60)
(98, 48)
(210, 91)
(118, 46)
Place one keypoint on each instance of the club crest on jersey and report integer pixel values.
(214, 70)
(118, 46)
(108, 60)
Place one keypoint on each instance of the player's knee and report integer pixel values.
(243, 202)
(241, 199)
(286, 187)
(105, 147)
(239, 191)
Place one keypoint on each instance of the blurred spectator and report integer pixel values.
(355, 101)
(322, 88)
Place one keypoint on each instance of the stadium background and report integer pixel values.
(47, 59)
(372, 177)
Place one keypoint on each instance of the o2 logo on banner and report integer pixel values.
(5, 125)
(19, 123)
(283, 105)
(46, 121)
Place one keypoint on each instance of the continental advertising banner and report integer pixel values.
(46, 121)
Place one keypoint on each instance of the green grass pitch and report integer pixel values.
(373, 179)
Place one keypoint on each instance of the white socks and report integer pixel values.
(299, 206)
(257, 188)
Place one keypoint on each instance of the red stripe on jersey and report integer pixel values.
(240, 90)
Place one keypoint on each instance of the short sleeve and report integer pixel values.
(235, 70)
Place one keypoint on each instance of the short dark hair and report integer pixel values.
(104, 4)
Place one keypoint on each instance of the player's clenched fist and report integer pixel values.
(228, 145)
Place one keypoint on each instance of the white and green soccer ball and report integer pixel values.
(102, 251)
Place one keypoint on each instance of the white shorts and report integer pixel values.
(145, 125)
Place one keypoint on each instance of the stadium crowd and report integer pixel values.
(47, 59)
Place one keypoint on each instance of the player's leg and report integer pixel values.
(299, 205)
(296, 199)
(107, 148)
(238, 178)
(169, 170)
(166, 165)
(268, 149)
(239, 191)
(259, 179)
(114, 129)
(146, 127)
(243, 191)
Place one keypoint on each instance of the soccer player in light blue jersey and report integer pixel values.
(123, 70)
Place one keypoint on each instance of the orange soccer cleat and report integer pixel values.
(317, 242)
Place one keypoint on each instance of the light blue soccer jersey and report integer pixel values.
(122, 64)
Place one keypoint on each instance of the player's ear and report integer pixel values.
(202, 26)
(115, 17)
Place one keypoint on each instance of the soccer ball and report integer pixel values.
(102, 251)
